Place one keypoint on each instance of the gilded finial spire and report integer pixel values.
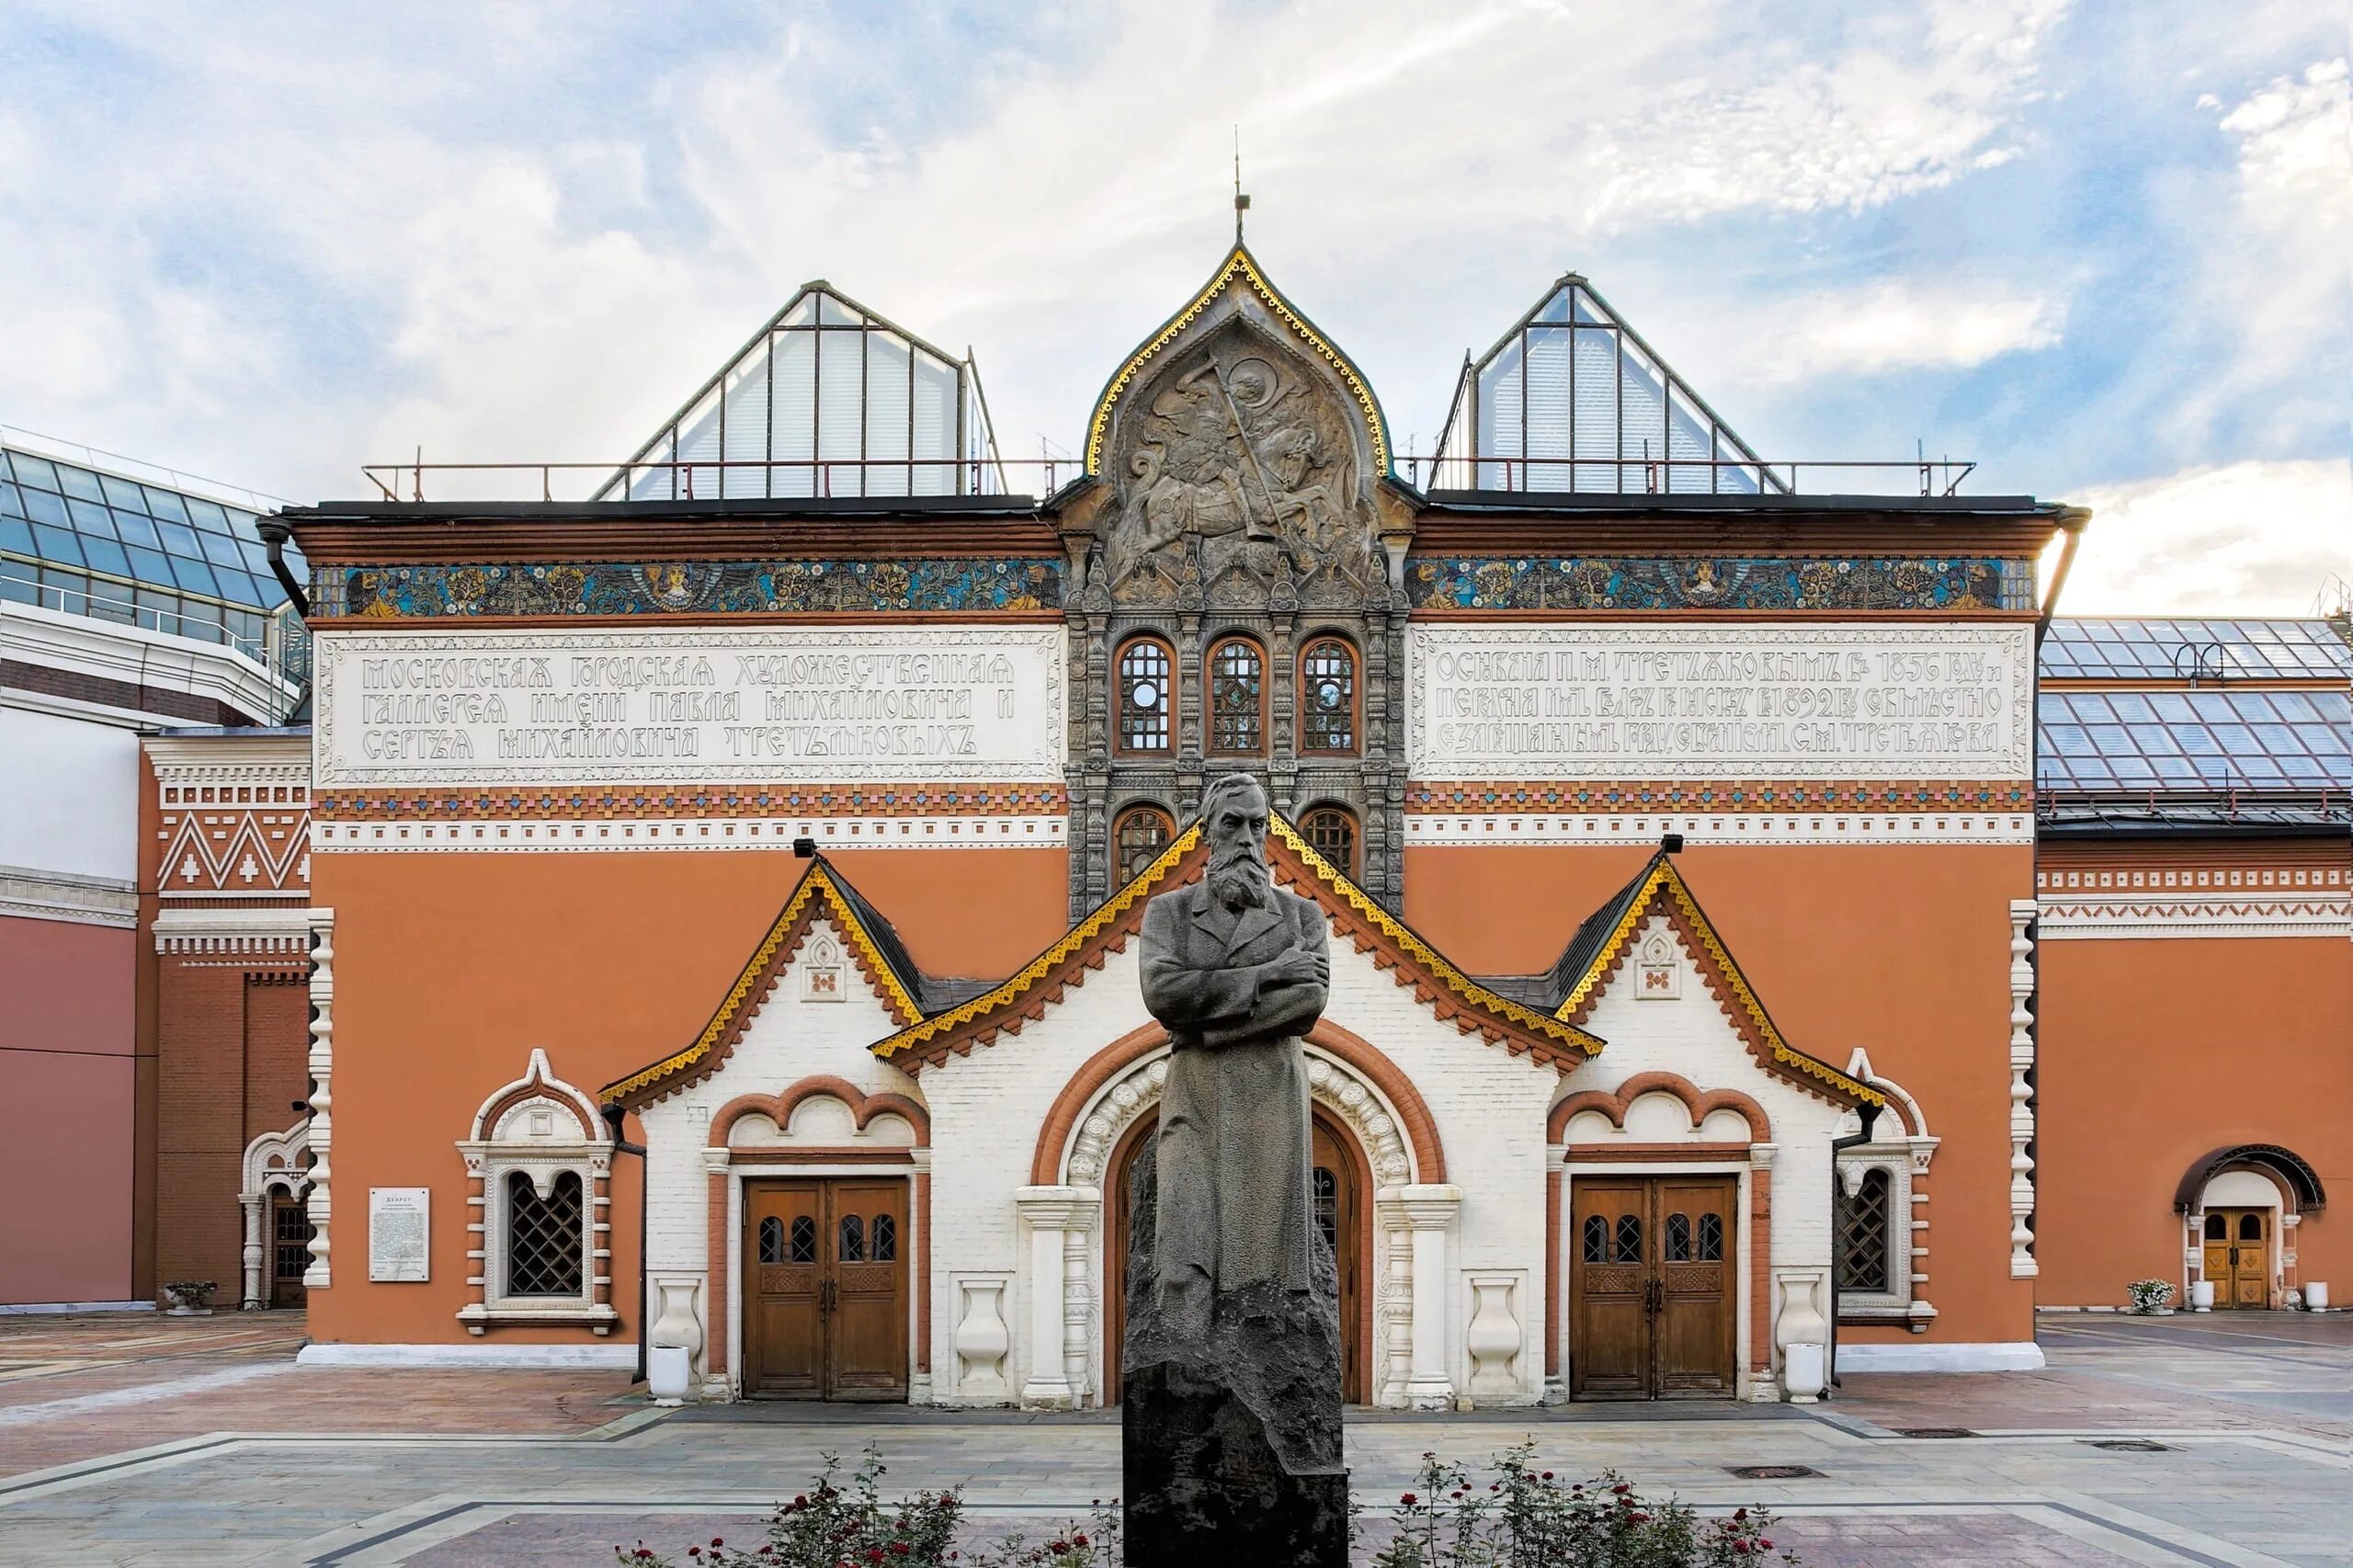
(1241, 202)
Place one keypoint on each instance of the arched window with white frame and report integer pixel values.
(1879, 1225)
(539, 1168)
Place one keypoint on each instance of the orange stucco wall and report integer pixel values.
(2155, 1052)
(67, 1067)
(1903, 949)
(450, 968)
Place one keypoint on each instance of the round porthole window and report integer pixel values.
(1146, 695)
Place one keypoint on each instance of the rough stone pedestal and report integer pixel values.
(1230, 1445)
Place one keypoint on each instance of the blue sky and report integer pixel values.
(2100, 248)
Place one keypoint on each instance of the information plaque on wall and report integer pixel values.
(399, 1230)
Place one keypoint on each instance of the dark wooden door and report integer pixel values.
(1652, 1307)
(289, 1250)
(825, 1283)
(1341, 1212)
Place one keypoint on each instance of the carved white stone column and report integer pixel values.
(1048, 1214)
(319, 1275)
(2023, 913)
(254, 1205)
(1431, 1212)
(1397, 1301)
(1078, 1293)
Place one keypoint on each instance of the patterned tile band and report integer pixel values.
(1584, 581)
(713, 801)
(424, 592)
(1717, 795)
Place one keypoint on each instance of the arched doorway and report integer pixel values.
(1343, 1197)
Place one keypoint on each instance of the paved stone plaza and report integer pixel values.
(145, 1440)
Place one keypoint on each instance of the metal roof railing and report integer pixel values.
(1679, 475)
(820, 478)
(283, 649)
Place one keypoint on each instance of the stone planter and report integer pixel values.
(190, 1298)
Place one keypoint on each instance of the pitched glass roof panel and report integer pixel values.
(828, 398)
(1573, 380)
(2211, 741)
(2164, 649)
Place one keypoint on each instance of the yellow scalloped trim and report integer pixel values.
(1454, 980)
(1238, 262)
(816, 884)
(1663, 874)
(1046, 963)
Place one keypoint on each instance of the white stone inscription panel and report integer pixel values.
(400, 1231)
(1573, 701)
(836, 705)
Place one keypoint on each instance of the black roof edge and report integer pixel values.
(1699, 502)
(801, 507)
(2145, 827)
(192, 732)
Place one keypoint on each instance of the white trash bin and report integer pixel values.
(668, 1372)
(2316, 1296)
(2202, 1296)
(1801, 1372)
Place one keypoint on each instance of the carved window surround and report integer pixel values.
(1903, 1147)
(542, 1127)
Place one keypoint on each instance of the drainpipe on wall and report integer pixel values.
(275, 532)
(614, 1116)
(1869, 1114)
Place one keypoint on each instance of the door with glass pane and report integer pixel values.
(289, 1250)
(2238, 1257)
(825, 1289)
(1650, 1287)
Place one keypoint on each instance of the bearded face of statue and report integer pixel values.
(1234, 820)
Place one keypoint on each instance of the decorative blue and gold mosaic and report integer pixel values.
(965, 584)
(1586, 582)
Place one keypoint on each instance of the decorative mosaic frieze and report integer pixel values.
(1588, 583)
(1717, 795)
(669, 587)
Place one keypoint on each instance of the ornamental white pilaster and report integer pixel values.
(319, 1275)
(1050, 1215)
(1420, 1220)
(2022, 1263)
(253, 1204)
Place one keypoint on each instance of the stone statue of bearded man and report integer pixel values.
(1236, 970)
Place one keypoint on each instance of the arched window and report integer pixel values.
(1331, 832)
(1141, 834)
(1327, 696)
(545, 1248)
(1864, 1249)
(1145, 696)
(1237, 697)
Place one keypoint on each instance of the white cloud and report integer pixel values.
(1894, 324)
(2241, 539)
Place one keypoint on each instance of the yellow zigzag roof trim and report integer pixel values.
(1237, 264)
(816, 883)
(1037, 969)
(1453, 978)
(1664, 875)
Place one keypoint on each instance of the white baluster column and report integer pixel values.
(1431, 1212)
(319, 1275)
(255, 1204)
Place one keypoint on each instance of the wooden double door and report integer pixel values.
(825, 1289)
(2238, 1257)
(1652, 1283)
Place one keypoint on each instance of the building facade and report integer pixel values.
(722, 892)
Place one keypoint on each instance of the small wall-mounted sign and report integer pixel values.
(400, 1231)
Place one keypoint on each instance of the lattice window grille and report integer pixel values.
(1864, 1240)
(546, 1242)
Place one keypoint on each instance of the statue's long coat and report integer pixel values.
(1235, 1194)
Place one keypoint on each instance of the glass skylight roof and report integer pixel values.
(1573, 400)
(2210, 741)
(77, 539)
(828, 398)
(2140, 648)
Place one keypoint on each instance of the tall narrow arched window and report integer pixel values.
(1327, 696)
(1331, 832)
(544, 1245)
(1865, 1243)
(1237, 697)
(1141, 833)
(1145, 696)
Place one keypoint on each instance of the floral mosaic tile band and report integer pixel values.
(425, 592)
(1590, 582)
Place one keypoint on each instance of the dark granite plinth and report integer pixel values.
(1230, 1442)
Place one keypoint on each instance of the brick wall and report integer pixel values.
(230, 1043)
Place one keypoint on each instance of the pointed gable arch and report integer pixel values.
(1238, 275)
(1450, 994)
(1603, 944)
(872, 945)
